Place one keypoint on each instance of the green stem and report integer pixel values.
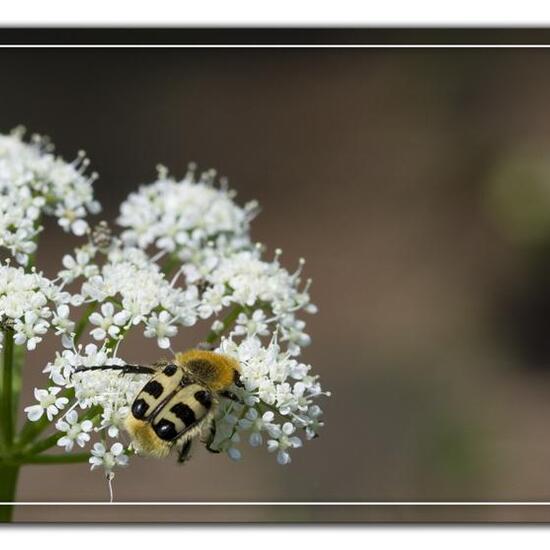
(264, 407)
(32, 429)
(7, 382)
(19, 355)
(83, 323)
(116, 302)
(49, 442)
(8, 487)
(171, 262)
(45, 444)
(32, 257)
(227, 322)
(49, 459)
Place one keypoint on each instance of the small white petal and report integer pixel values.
(34, 412)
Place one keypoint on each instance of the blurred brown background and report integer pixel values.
(417, 185)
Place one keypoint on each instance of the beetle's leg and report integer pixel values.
(230, 395)
(183, 454)
(237, 380)
(210, 439)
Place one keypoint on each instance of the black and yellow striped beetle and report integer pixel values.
(179, 402)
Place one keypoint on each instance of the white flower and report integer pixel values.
(61, 369)
(75, 431)
(78, 265)
(30, 330)
(61, 320)
(48, 402)
(253, 326)
(109, 323)
(314, 414)
(234, 453)
(284, 442)
(217, 326)
(26, 303)
(160, 327)
(184, 216)
(276, 379)
(255, 423)
(113, 419)
(213, 300)
(33, 182)
(292, 332)
(108, 459)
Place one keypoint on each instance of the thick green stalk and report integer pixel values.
(66, 458)
(8, 487)
(18, 460)
(31, 430)
(19, 355)
(7, 389)
(44, 445)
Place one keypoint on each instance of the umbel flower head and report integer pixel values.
(184, 256)
(33, 182)
(31, 304)
(186, 216)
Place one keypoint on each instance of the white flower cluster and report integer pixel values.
(30, 304)
(216, 273)
(185, 217)
(33, 181)
(279, 392)
(277, 400)
(262, 329)
(258, 286)
(133, 291)
(126, 290)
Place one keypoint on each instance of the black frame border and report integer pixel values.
(262, 36)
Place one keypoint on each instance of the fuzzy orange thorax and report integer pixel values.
(221, 371)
